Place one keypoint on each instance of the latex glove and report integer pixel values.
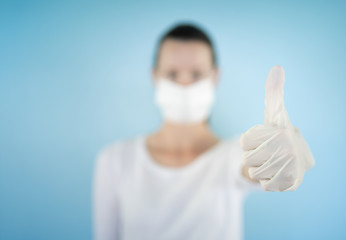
(276, 153)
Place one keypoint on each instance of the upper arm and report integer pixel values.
(105, 200)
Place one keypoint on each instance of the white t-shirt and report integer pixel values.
(137, 198)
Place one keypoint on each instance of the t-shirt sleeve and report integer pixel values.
(236, 168)
(105, 199)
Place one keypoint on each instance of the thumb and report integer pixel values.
(275, 112)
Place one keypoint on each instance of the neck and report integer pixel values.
(186, 135)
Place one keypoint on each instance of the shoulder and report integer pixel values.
(234, 152)
(233, 143)
(114, 153)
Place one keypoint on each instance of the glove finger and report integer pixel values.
(282, 180)
(256, 157)
(275, 112)
(295, 185)
(255, 136)
(269, 168)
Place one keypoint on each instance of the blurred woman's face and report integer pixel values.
(185, 62)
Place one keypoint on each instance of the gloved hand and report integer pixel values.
(276, 153)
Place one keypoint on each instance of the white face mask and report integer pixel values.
(185, 104)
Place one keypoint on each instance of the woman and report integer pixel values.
(182, 181)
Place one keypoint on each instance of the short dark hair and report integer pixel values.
(187, 32)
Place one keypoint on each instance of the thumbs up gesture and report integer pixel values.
(275, 152)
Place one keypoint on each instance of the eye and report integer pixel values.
(172, 75)
(196, 75)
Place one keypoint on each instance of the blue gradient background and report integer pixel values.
(75, 76)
